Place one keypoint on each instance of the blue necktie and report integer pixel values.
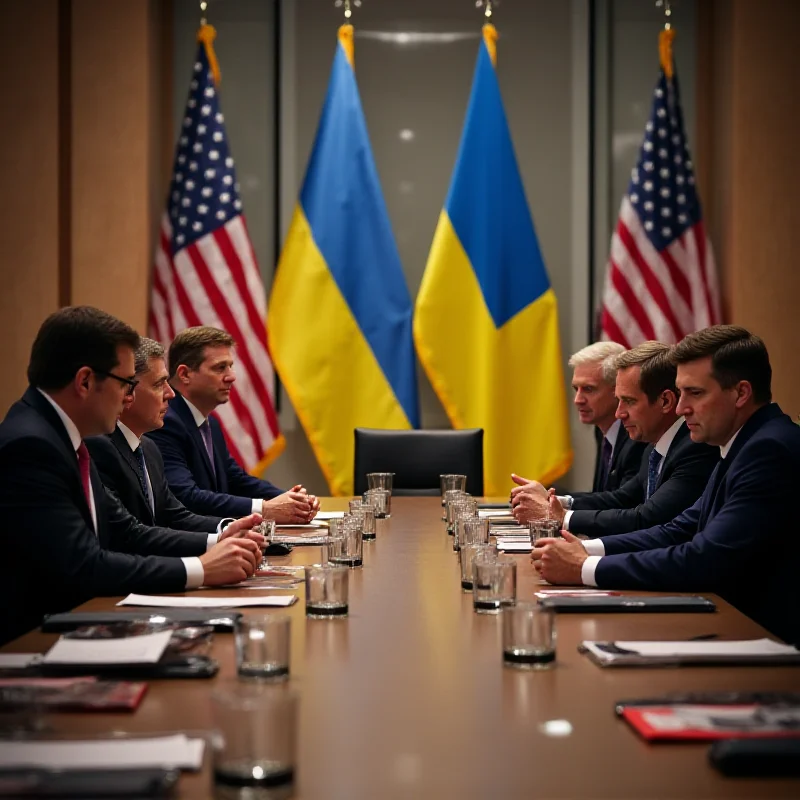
(652, 471)
(205, 432)
(605, 456)
(142, 471)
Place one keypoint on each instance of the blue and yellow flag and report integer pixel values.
(486, 320)
(339, 310)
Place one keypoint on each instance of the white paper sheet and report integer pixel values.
(321, 515)
(17, 660)
(146, 649)
(162, 751)
(488, 513)
(746, 647)
(513, 545)
(159, 601)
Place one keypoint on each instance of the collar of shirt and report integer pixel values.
(725, 448)
(198, 416)
(663, 444)
(130, 437)
(72, 430)
(612, 434)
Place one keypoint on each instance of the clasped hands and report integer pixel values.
(531, 501)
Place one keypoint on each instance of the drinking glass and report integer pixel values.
(529, 636)
(326, 591)
(262, 646)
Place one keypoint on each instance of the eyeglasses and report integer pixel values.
(127, 381)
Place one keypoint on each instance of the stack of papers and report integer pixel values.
(159, 601)
(178, 751)
(749, 651)
(491, 513)
(514, 544)
(146, 649)
(326, 515)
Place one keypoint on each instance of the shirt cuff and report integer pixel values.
(195, 575)
(566, 500)
(565, 523)
(258, 505)
(594, 547)
(223, 523)
(588, 569)
(212, 540)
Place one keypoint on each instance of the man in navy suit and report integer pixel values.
(733, 540)
(199, 467)
(674, 469)
(618, 457)
(65, 540)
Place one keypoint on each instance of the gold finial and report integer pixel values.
(667, 6)
(348, 7)
(488, 7)
(203, 7)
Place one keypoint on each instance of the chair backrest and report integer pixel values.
(418, 458)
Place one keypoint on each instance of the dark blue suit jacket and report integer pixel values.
(52, 558)
(736, 540)
(625, 461)
(227, 490)
(684, 474)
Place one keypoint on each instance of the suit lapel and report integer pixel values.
(185, 414)
(121, 443)
(674, 447)
(622, 440)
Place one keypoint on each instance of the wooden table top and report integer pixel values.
(408, 698)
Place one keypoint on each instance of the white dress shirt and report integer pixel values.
(595, 547)
(199, 420)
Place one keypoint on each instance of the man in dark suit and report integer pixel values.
(733, 540)
(674, 469)
(199, 467)
(618, 457)
(65, 539)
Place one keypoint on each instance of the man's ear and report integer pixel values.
(669, 400)
(744, 392)
(181, 376)
(83, 381)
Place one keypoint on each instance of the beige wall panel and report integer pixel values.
(29, 198)
(113, 151)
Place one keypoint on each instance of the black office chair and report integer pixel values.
(418, 458)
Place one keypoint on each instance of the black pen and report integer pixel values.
(703, 637)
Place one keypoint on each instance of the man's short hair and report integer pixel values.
(75, 337)
(602, 353)
(657, 369)
(736, 355)
(189, 346)
(147, 349)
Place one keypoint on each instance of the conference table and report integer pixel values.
(408, 697)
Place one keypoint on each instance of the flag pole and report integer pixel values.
(489, 31)
(206, 35)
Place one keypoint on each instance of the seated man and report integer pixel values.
(735, 540)
(674, 469)
(199, 468)
(65, 539)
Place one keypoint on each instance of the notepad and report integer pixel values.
(146, 649)
(514, 545)
(178, 751)
(324, 515)
(488, 513)
(654, 653)
(159, 601)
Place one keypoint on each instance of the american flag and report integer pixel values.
(661, 281)
(206, 273)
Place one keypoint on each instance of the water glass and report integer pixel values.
(262, 646)
(326, 591)
(529, 636)
(381, 501)
(449, 496)
(448, 482)
(347, 547)
(254, 738)
(380, 480)
(331, 543)
(494, 584)
(267, 529)
(456, 506)
(544, 529)
(366, 514)
(469, 552)
(471, 530)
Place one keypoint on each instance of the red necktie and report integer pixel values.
(83, 466)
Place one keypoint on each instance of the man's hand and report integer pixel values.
(230, 561)
(292, 507)
(560, 560)
(529, 500)
(557, 511)
(243, 529)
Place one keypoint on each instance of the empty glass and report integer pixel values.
(254, 738)
(469, 552)
(381, 501)
(529, 636)
(382, 480)
(262, 646)
(457, 505)
(471, 530)
(544, 529)
(494, 584)
(448, 497)
(447, 482)
(347, 547)
(326, 591)
(366, 513)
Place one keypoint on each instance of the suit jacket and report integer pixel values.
(119, 471)
(52, 558)
(685, 471)
(625, 461)
(227, 490)
(737, 540)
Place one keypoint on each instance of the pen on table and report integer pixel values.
(703, 637)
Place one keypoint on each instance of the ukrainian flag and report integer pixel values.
(339, 310)
(486, 319)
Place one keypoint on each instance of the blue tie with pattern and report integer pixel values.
(652, 471)
(142, 472)
(205, 432)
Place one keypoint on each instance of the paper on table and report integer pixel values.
(17, 660)
(329, 515)
(159, 601)
(162, 751)
(146, 649)
(514, 545)
(486, 513)
(308, 526)
(746, 647)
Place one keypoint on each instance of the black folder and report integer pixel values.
(778, 757)
(631, 604)
(222, 620)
